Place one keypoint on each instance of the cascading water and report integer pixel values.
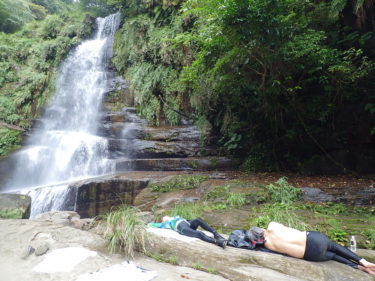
(66, 146)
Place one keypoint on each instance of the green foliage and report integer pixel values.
(329, 208)
(125, 230)
(281, 213)
(16, 213)
(336, 232)
(217, 192)
(28, 61)
(236, 199)
(187, 211)
(370, 236)
(161, 258)
(266, 76)
(282, 192)
(13, 14)
(178, 183)
(9, 140)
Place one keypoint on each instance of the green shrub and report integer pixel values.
(370, 236)
(236, 199)
(282, 192)
(9, 140)
(218, 192)
(125, 230)
(284, 213)
(187, 211)
(12, 213)
(336, 232)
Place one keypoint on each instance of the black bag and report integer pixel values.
(239, 239)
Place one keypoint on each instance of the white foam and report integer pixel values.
(63, 260)
(119, 272)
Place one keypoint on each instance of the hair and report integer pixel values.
(255, 234)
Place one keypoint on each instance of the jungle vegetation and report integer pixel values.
(35, 36)
(289, 84)
(282, 84)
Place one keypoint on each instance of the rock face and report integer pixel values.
(26, 244)
(98, 196)
(15, 206)
(239, 264)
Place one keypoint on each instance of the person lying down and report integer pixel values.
(307, 245)
(189, 228)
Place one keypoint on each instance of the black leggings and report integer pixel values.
(320, 248)
(190, 229)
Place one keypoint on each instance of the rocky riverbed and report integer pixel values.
(61, 246)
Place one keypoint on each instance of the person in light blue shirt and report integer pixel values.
(189, 228)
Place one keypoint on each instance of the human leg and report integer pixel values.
(185, 229)
(194, 223)
(338, 258)
(343, 252)
(344, 255)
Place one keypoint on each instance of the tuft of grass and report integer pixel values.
(188, 211)
(197, 266)
(178, 183)
(236, 199)
(161, 258)
(125, 230)
(282, 192)
(329, 208)
(278, 212)
(218, 192)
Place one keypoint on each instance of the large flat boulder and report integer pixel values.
(239, 264)
(89, 257)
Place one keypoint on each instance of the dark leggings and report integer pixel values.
(190, 229)
(320, 248)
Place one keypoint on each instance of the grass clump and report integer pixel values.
(16, 213)
(125, 230)
(178, 183)
(161, 258)
(236, 199)
(218, 192)
(188, 211)
(282, 192)
(278, 212)
(329, 208)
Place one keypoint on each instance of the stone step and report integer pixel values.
(173, 133)
(135, 148)
(175, 164)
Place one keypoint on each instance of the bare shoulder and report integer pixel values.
(275, 225)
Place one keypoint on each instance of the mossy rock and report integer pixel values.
(14, 206)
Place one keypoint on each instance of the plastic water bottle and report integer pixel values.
(353, 244)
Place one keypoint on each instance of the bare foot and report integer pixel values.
(367, 264)
(367, 270)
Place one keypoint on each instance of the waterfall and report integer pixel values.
(66, 145)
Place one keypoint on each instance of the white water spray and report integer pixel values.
(67, 146)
